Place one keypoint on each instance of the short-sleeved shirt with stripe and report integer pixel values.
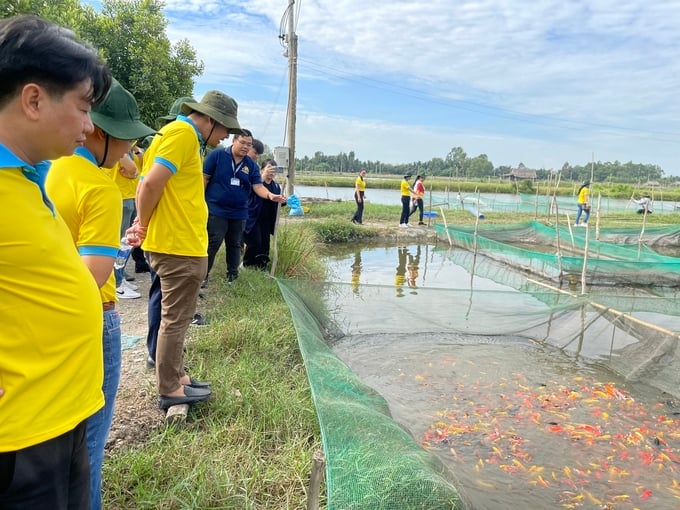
(178, 224)
(51, 364)
(91, 205)
(127, 186)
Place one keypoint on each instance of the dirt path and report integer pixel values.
(137, 410)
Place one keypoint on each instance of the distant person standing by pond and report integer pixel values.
(645, 204)
(419, 193)
(359, 189)
(583, 204)
(406, 192)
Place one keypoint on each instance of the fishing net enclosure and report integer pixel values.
(382, 455)
(606, 257)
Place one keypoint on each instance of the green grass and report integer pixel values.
(337, 215)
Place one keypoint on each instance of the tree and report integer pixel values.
(130, 35)
(480, 167)
(456, 159)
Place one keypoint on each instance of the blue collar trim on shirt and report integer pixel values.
(84, 152)
(34, 173)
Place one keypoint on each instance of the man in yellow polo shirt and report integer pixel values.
(171, 221)
(90, 203)
(50, 340)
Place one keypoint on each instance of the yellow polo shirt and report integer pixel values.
(178, 224)
(360, 184)
(405, 188)
(127, 186)
(90, 203)
(51, 365)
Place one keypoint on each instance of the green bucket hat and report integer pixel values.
(176, 109)
(219, 107)
(118, 115)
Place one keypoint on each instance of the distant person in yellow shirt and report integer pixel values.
(51, 313)
(406, 191)
(583, 204)
(126, 177)
(359, 194)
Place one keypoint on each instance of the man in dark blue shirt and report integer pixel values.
(230, 177)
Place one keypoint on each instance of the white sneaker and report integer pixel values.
(129, 285)
(125, 292)
(576, 224)
(402, 225)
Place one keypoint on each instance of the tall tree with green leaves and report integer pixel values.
(131, 37)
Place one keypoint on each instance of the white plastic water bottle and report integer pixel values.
(123, 254)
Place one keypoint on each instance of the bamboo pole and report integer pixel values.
(586, 247)
(608, 309)
(446, 228)
(315, 479)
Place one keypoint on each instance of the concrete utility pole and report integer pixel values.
(292, 95)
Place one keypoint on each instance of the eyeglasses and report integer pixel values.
(245, 144)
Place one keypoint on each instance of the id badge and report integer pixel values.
(235, 181)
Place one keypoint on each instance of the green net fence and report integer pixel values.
(375, 453)
(618, 257)
(371, 461)
(370, 351)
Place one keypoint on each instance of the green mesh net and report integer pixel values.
(620, 256)
(371, 461)
(361, 347)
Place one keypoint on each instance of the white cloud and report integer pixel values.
(607, 70)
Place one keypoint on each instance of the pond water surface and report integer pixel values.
(519, 423)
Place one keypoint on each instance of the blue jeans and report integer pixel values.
(580, 211)
(153, 314)
(99, 424)
(405, 209)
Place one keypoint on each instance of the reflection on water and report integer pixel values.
(443, 267)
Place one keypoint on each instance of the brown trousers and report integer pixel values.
(180, 279)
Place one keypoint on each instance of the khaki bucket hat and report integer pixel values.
(118, 115)
(219, 107)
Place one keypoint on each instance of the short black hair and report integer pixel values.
(258, 146)
(34, 50)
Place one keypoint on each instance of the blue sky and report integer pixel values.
(542, 82)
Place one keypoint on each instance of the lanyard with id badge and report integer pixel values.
(235, 181)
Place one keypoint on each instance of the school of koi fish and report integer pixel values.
(588, 443)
